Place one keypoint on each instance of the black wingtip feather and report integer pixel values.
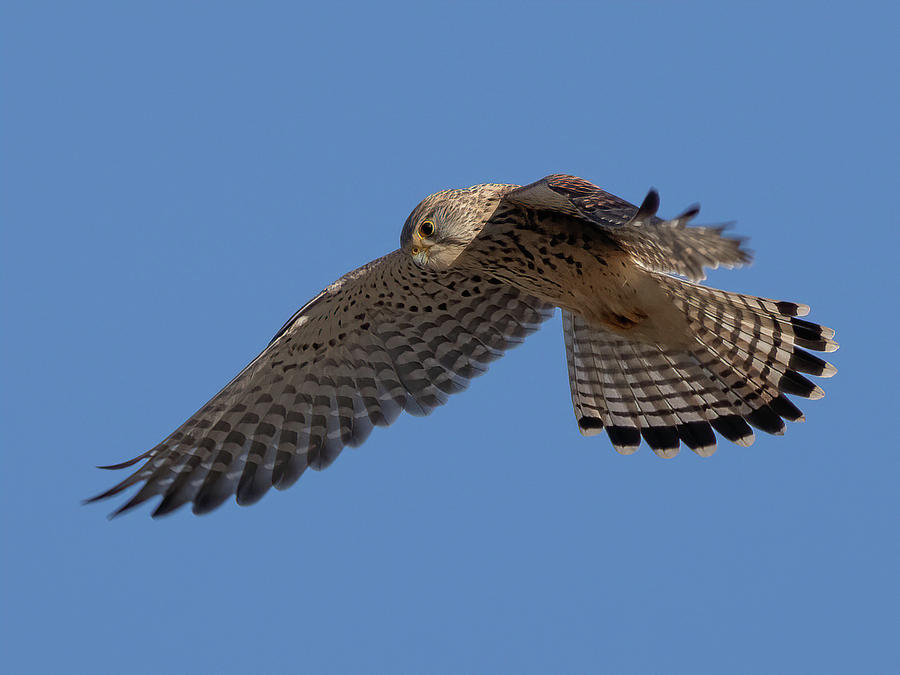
(249, 492)
(216, 488)
(132, 503)
(287, 473)
(322, 456)
(169, 504)
(688, 214)
(99, 497)
(210, 501)
(124, 465)
(648, 207)
(114, 490)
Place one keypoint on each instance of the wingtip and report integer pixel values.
(132, 503)
(689, 213)
(99, 497)
(113, 467)
(648, 207)
(119, 511)
(123, 465)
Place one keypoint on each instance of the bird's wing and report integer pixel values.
(660, 245)
(574, 197)
(384, 338)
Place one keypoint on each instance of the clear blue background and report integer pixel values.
(178, 178)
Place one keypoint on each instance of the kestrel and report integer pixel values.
(651, 354)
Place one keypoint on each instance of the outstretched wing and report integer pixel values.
(659, 245)
(384, 338)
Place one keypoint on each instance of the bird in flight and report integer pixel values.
(651, 354)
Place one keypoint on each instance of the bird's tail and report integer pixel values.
(745, 354)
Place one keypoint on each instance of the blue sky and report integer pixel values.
(178, 178)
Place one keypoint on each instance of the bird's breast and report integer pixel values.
(573, 265)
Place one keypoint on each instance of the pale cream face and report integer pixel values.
(441, 227)
(429, 252)
(423, 239)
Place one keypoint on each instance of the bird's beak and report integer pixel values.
(421, 258)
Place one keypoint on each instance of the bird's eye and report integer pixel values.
(426, 229)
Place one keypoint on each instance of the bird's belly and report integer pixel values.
(599, 283)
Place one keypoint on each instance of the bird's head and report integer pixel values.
(445, 223)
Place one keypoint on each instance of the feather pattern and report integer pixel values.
(353, 359)
(746, 356)
(656, 244)
(651, 357)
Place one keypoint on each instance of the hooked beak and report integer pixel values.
(420, 255)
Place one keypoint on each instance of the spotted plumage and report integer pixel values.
(650, 355)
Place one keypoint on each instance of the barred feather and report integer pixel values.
(747, 355)
(351, 360)
(656, 244)
(392, 337)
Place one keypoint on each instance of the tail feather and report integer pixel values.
(746, 353)
(661, 433)
(625, 404)
(699, 437)
(757, 372)
(766, 320)
(735, 429)
(716, 364)
(787, 410)
(694, 428)
(581, 366)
